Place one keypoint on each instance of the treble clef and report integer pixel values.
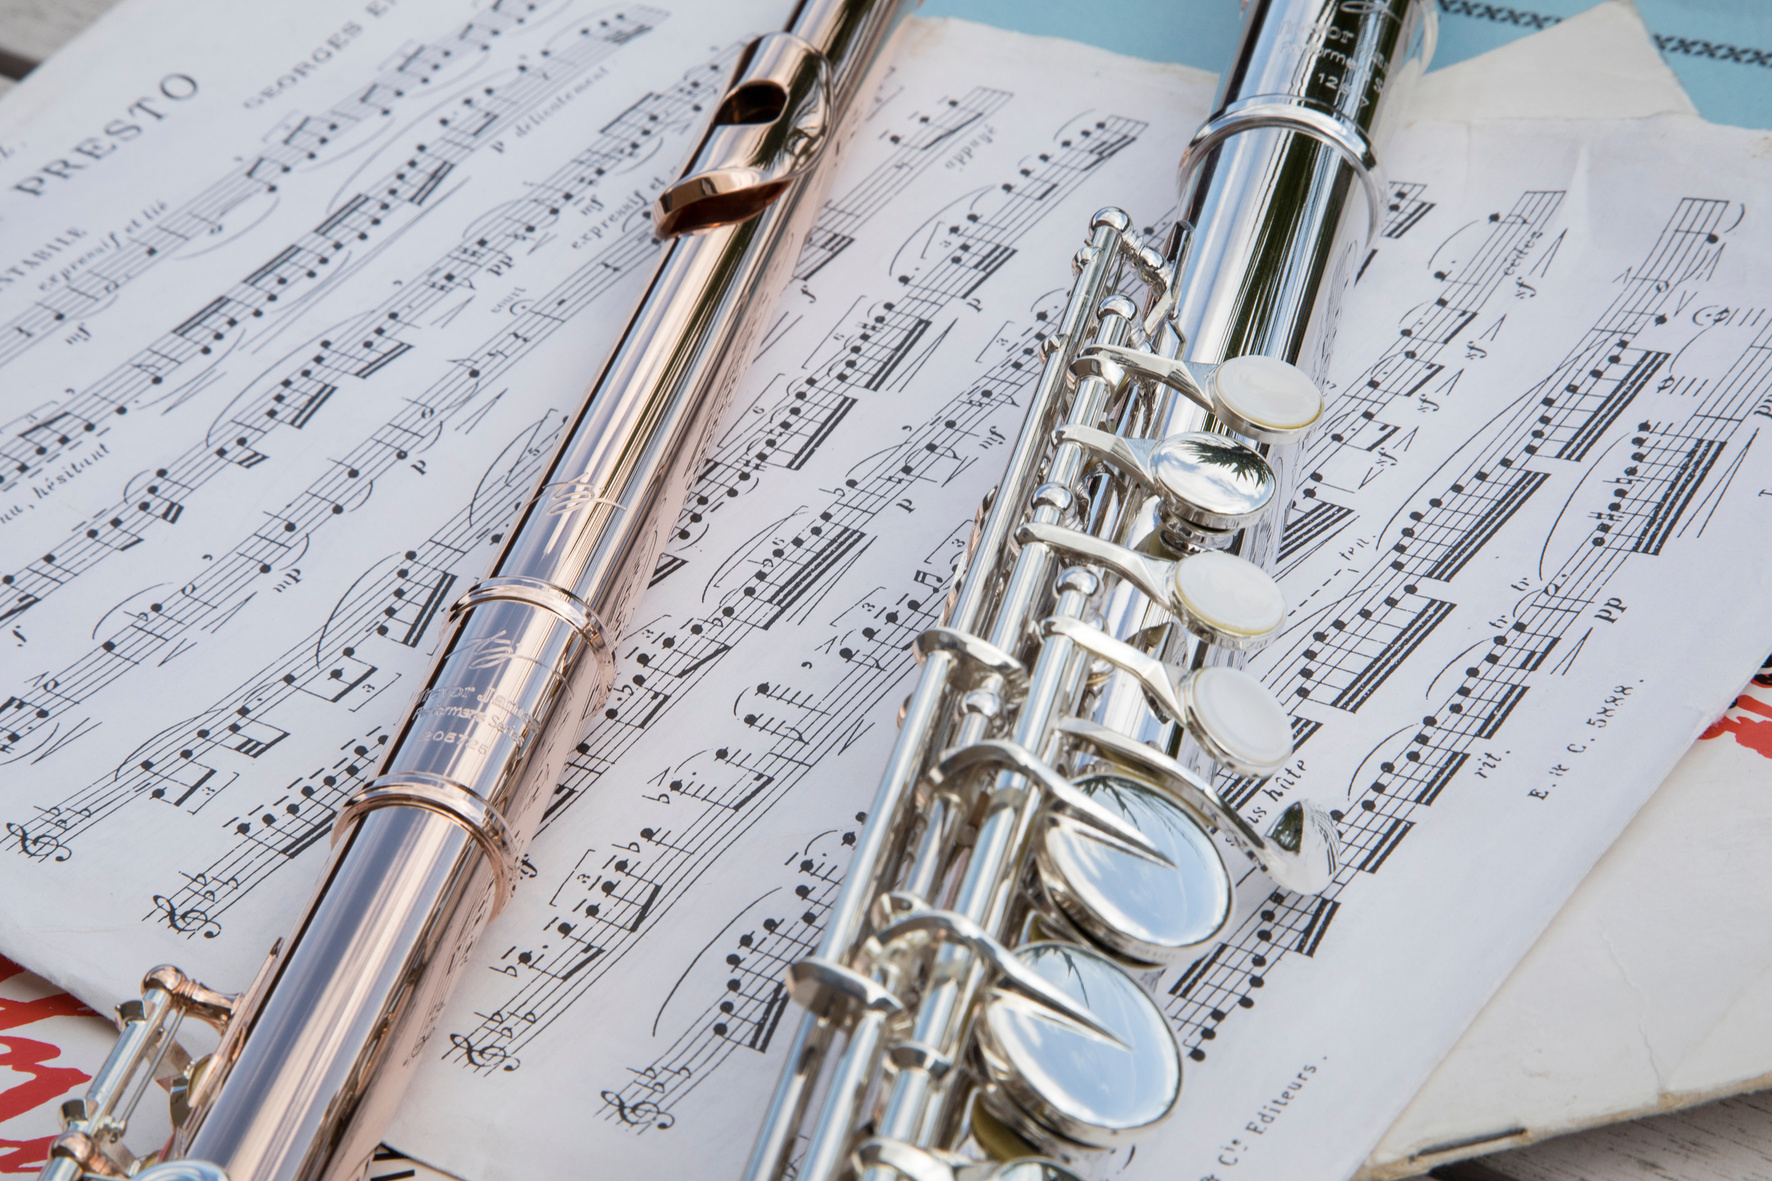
(642, 1114)
(484, 1057)
(188, 921)
(38, 847)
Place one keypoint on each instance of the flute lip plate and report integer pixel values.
(1060, 1079)
(1139, 910)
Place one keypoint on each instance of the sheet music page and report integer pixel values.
(1626, 1003)
(335, 339)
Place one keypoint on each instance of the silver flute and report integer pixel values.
(315, 1054)
(1042, 837)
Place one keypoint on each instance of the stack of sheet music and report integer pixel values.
(290, 316)
(1652, 988)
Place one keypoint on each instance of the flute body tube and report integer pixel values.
(316, 1054)
(1284, 188)
(1286, 196)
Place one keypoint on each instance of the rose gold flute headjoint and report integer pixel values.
(1052, 823)
(315, 1055)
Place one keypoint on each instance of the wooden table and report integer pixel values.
(1730, 1140)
